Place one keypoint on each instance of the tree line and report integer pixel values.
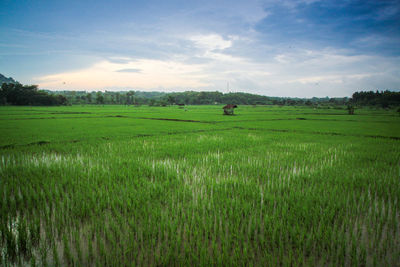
(383, 99)
(18, 94)
(28, 95)
(189, 98)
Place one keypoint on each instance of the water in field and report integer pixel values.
(160, 186)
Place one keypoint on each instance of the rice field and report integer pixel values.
(163, 186)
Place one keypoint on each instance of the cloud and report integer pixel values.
(106, 74)
(129, 70)
(284, 48)
(330, 72)
(299, 72)
(388, 11)
(339, 24)
(210, 42)
(119, 59)
(330, 78)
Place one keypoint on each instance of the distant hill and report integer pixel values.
(4, 79)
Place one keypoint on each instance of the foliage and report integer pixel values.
(189, 98)
(99, 98)
(350, 109)
(383, 99)
(18, 94)
(4, 79)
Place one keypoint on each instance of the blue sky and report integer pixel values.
(299, 48)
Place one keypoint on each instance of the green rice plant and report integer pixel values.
(22, 238)
(11, 245)
(90, 252)
(55, 256)
(34, 231)
(77, 246)
(67, 251)
(269, 191)
(33, 261)
(43, 255)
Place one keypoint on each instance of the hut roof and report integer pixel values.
(229, 106)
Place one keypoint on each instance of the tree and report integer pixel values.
(379, 98)
(171, 99)
(99, 98)
(118, 98)
(89, 98)
(152, 102)
(350, 109)
(18, 94)
(129, 97)
(83, 98)
(62, 100)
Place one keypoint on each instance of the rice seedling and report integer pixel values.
(245, 190)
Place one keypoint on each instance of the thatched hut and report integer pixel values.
(228, 109)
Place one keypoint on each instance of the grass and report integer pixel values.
(118, 185)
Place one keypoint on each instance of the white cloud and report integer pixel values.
(331, 78)
(210, 42)
(211, 65)
(106, 74)
(307, 73)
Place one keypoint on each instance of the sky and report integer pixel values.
(288, 48)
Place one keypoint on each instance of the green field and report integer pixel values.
(161, 186)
